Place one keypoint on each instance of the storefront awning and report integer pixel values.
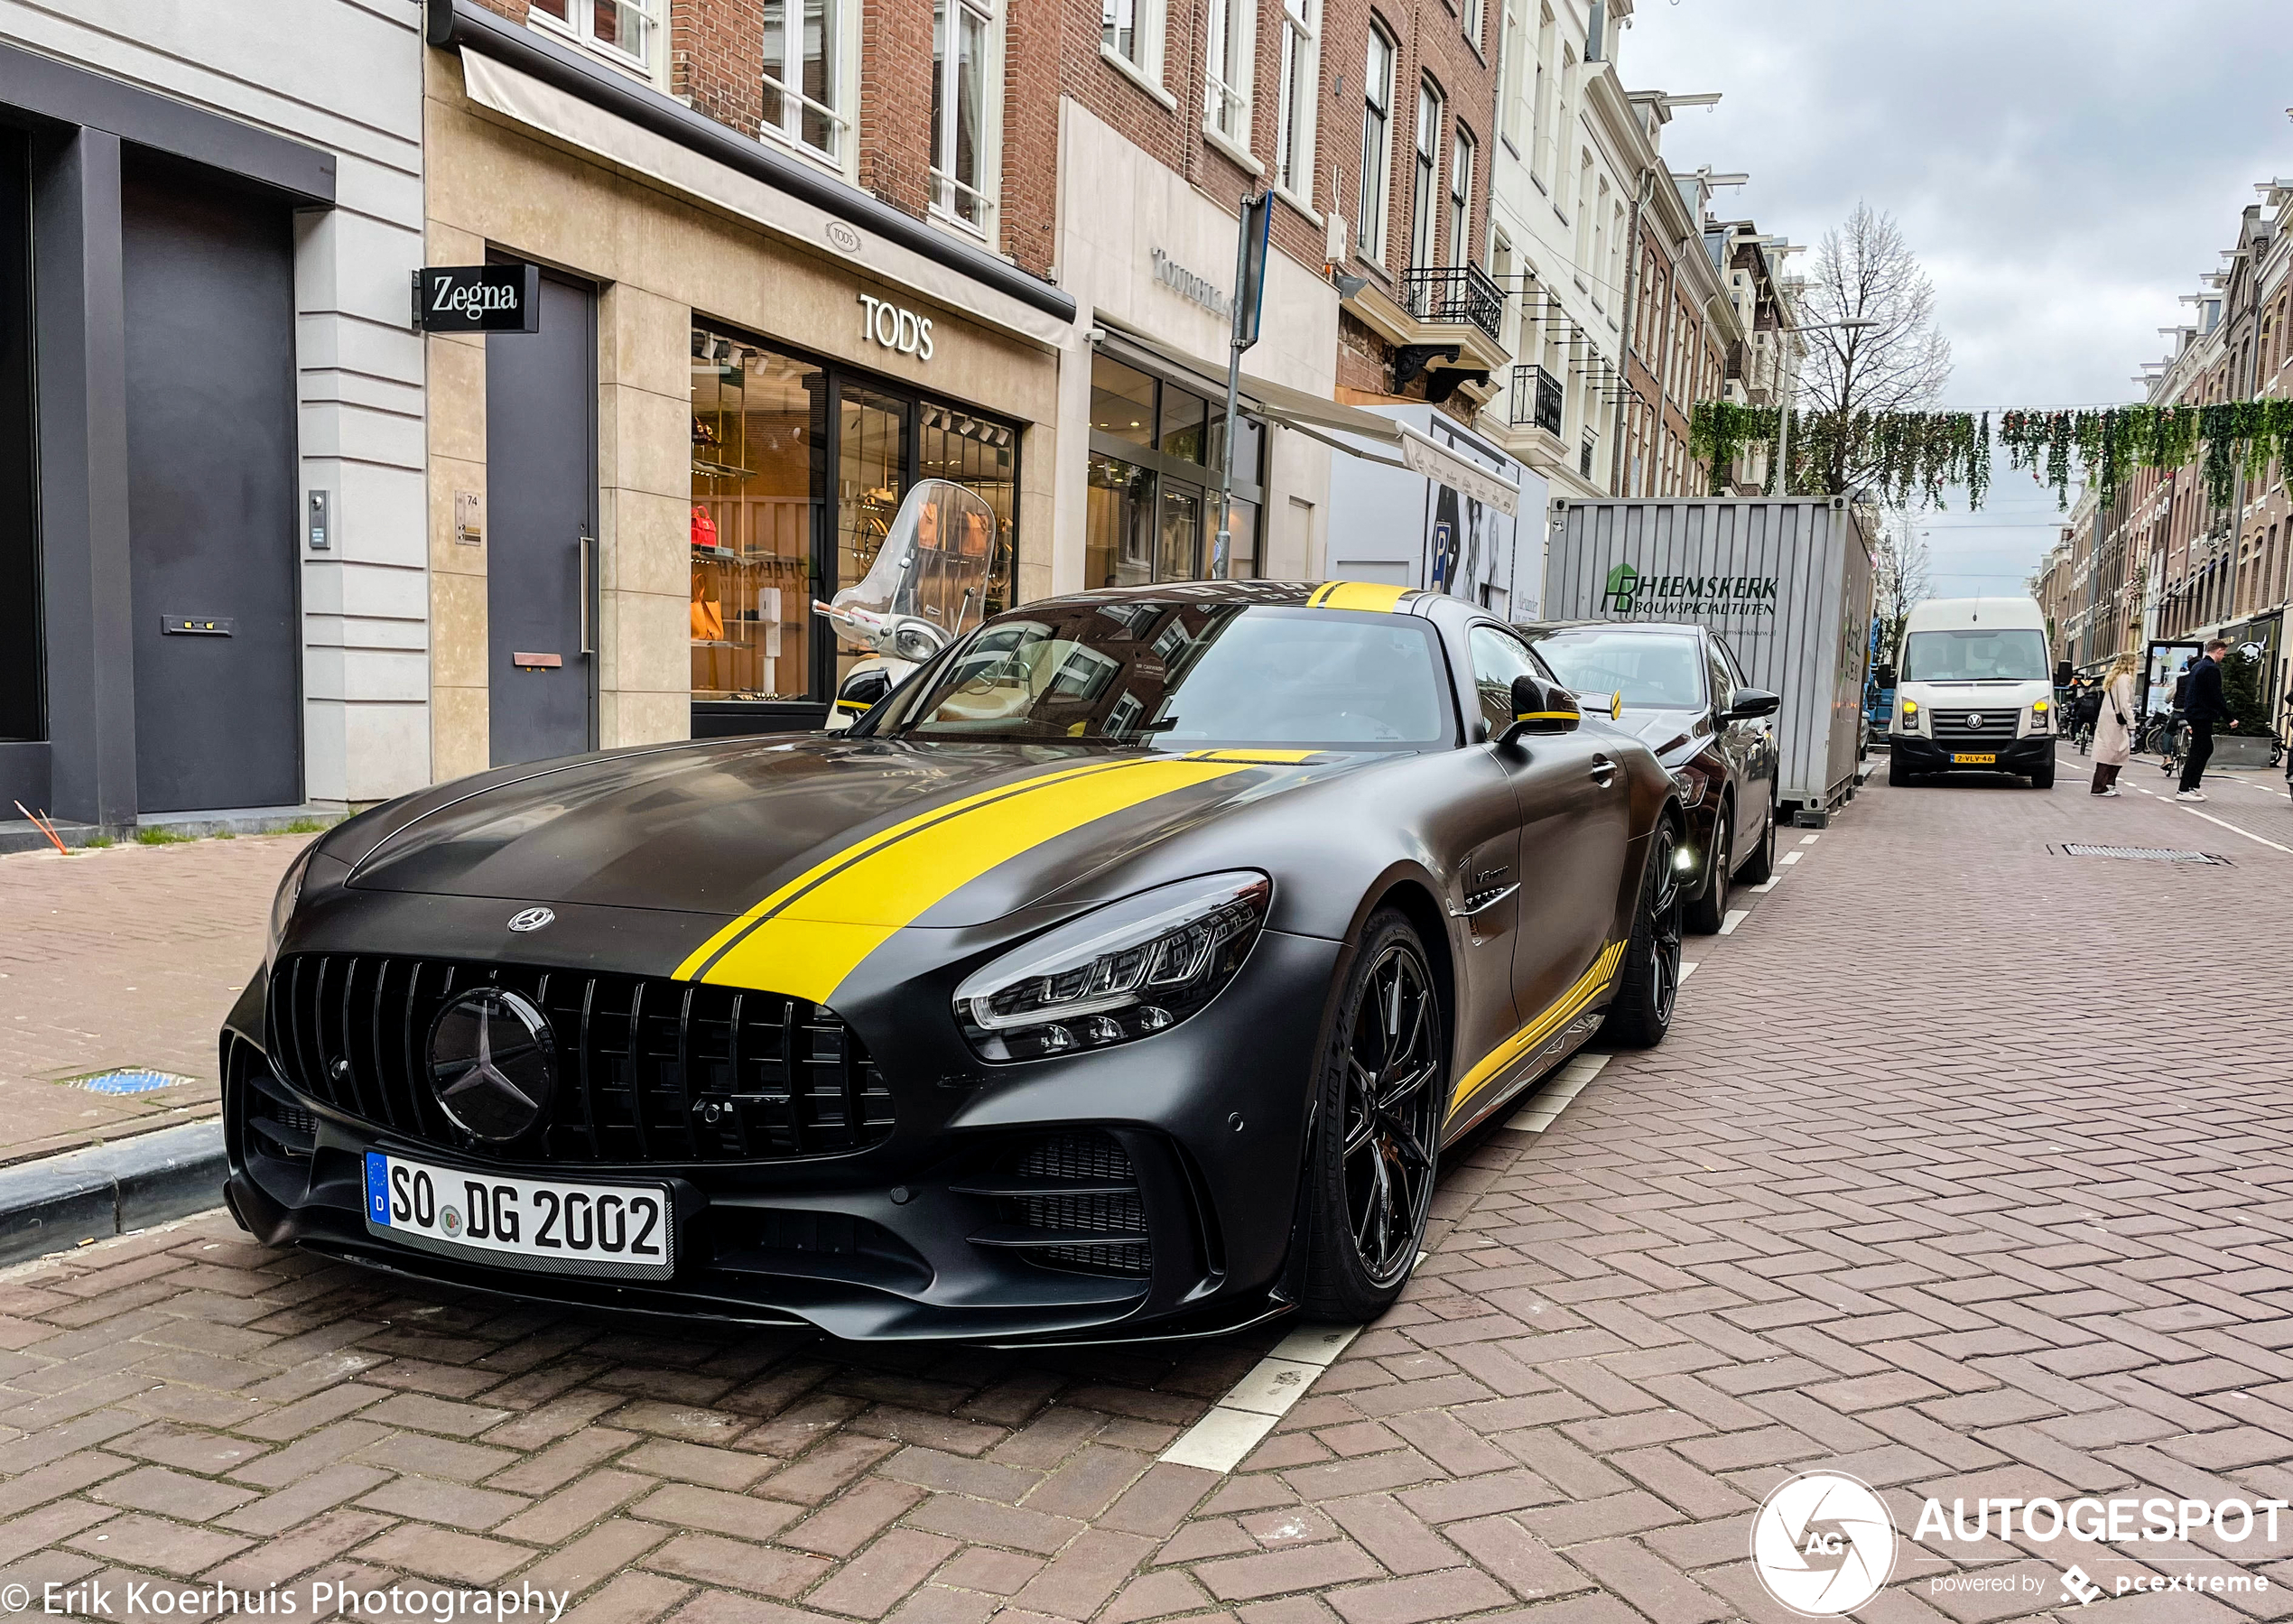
(1333, 424)
(941, 274)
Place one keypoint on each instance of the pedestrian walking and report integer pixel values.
(2207, 708)
(2114, 725)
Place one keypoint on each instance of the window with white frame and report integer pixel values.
(621, 27)
(1301, 74)
(1462, 151)
(1376, 146)
(1540, 151)
(1596, 263)
(1132, 29)
(965, 142)
(1476, 21)
(1233, 42)
(1512, 46)
(804, 73)
(1423, 204)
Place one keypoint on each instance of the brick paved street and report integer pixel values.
(129, 956)
(1964, 1171)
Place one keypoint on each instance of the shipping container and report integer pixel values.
(1478, 534)
(1787, 583)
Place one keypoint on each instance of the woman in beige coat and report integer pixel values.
(2114, 737)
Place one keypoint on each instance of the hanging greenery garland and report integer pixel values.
(1928, 451)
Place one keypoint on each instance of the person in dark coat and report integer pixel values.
(2205, 709)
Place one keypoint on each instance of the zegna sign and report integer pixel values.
(478, 299)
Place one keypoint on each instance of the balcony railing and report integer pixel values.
(1454, 295)
(1536, 399)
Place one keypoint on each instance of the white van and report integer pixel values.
(1975, 690)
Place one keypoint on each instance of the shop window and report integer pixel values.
(804, 73)
(622, 27)
(1119, 525)
(964, 140)
(1178, 541)
(1242, 548)
(982, 456)
(1185, 417)
(1122, 402)
(871, 474)
(759, 425)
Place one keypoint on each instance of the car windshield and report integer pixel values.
(1652, 670)
(1975, 657)
(1181, 674)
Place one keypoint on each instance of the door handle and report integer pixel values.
(1603, 771)
(588, 567)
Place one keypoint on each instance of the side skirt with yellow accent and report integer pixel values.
(1528, 1051)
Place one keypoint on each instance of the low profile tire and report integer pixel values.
(1761, 869)
(2042, 779)
(1651, 980)
(1898, 774)
(1377, 1128)
(1705, 914)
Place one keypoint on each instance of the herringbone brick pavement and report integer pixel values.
(1964, 1171)
(124, 957)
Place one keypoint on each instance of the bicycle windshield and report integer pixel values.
(928, 581)
(1183, 675)
(1976, 657)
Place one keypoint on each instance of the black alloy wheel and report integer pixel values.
(1709, 912)
(1376, 1138)
(1649, 983)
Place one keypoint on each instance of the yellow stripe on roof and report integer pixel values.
(815, 931)
(1376, 596)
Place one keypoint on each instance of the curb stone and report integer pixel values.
(58, 1201)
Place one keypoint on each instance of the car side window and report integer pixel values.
(1728, 653)
(1498, 658)
(1723, 687)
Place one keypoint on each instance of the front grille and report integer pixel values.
(1958, 726)
(648, 1070)
(1088, 1158)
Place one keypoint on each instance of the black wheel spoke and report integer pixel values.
(1392, 1102)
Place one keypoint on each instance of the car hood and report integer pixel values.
(847, 832)
(1672, 735)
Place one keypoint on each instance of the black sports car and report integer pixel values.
(1123, 973)
(1678, 686)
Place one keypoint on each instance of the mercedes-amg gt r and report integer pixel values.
(1123, 973)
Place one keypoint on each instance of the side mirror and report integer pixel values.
(1751, 704)
(1539, 707)
(1884, 676)
(2063, 674)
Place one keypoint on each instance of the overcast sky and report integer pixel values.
(2066, 169)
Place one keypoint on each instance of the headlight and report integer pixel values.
(1124, 971)
(283, 905)
(1689, 784)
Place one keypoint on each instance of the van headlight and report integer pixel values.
(1122, 973)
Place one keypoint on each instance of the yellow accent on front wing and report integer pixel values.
(1373, 595)
(1571, 1004)
(806, 937)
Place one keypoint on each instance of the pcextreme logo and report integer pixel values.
(1687, 597)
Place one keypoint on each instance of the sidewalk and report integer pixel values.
(123, 958)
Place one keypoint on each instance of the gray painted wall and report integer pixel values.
(343, 75)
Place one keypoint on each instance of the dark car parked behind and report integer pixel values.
(1683, 692)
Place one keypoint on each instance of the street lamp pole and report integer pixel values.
(1791, 392)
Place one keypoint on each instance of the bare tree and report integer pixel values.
(1901, 579)
(1864, 270)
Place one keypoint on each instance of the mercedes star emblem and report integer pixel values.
(493, 1066)
(530, 919)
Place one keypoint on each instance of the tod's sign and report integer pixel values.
(478, 299)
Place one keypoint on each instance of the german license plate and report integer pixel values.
(623, 1231)
(1964, 760)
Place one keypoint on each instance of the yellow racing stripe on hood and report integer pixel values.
(1373, 595)
(810, 934)
(1274, 758)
